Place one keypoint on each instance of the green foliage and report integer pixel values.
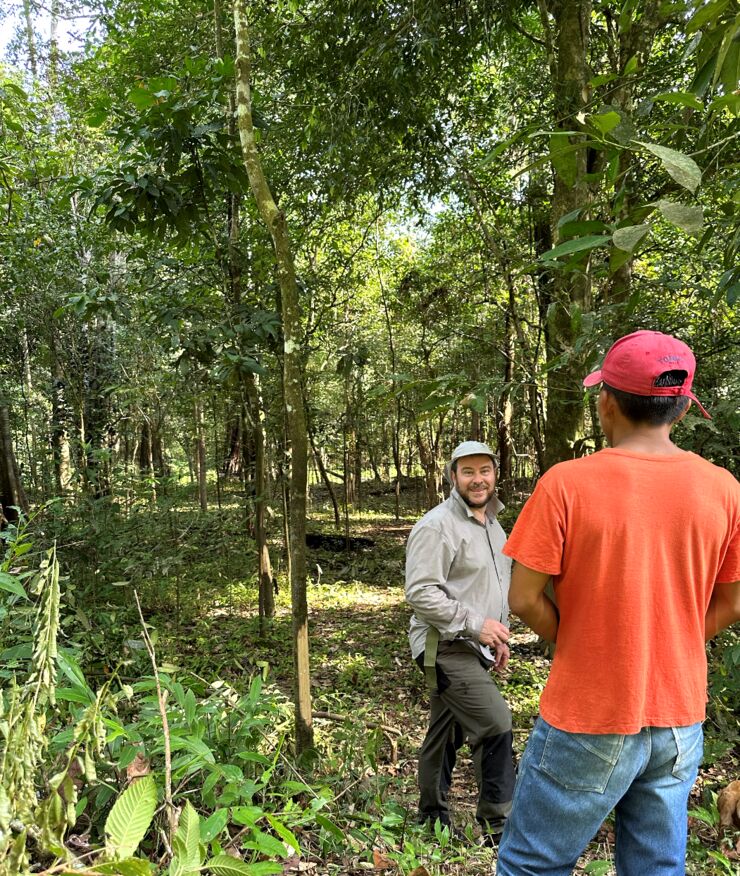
(130, 817)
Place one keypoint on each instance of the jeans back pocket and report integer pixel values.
(581, 761)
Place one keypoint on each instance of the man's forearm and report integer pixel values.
(541, 615)
(723, 610)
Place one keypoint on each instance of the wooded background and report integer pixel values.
(249, 246)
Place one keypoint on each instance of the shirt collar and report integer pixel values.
(494, 507)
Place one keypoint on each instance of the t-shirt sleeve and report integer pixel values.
(729, 571)
(538, 536)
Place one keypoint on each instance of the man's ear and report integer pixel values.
(681, 415)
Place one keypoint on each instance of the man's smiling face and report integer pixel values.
(475, 480)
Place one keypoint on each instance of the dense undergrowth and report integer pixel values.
(116, 725)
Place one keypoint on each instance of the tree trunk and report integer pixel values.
(324, 475)
(428, 446)
(60, 419)
(31, 39)
(99, 432)
(12, 494)
(200, 443)
(505, 414)
(571, 293)
(264, 566)
(274, 219)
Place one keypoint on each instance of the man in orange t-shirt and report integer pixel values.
(642, 543)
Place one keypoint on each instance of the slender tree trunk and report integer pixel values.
(324, 474)
(60, 419)
(12, 494)
(53, 47)
(200, 443)
(266, 595)
(31, 40)
(274, 219)
(505, 413)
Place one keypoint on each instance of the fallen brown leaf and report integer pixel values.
(728, 804)
(419, 871)
(381, 862)
(138, 767)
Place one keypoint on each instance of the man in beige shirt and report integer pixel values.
(457, 582)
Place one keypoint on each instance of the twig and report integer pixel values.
(333, 716)
(162, 700)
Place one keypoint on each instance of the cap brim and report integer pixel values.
(593, 378)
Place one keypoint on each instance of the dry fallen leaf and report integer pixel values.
(419, 871)
(728, 804)
(138, 767)
(381, 862)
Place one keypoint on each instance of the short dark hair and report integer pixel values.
(653, 410)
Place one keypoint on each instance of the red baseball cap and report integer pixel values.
(635, 361)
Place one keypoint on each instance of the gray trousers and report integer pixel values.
(466, 705)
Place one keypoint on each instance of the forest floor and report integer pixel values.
(369, 699)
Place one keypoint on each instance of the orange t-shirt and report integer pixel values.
(635, 544)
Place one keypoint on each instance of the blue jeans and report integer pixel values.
(569, 783)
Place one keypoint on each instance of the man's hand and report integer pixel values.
(500, 657)
(493, 633)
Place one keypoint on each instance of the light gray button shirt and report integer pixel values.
(456, 575)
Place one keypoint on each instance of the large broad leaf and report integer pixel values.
(683, 169)
(284, 833)
(688, 218)
(213, 825)
(576, 245)
(12, 585)
(225, 865)
(680, 98)
(563, 157)
(605, 122)
(130, 817)
(629, 236)
(186, 845)
(128, 867)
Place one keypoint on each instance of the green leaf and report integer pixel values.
(629, 236)
(576, 245)
(130, 817)
(563, 158)
(247, 815)
(598, 868)
(707, 12)
(689, 218)
(284, 833)
(193, 744)
(631, 66)
(605, 122)
(683, 169)
(190, 707)
(213, 825)
(141, 97)
(266, 844)
(12, 585)
(127, 867)
(186, 842)
(329, 826)
(225, 865)
(731, 101)
(681, 98)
